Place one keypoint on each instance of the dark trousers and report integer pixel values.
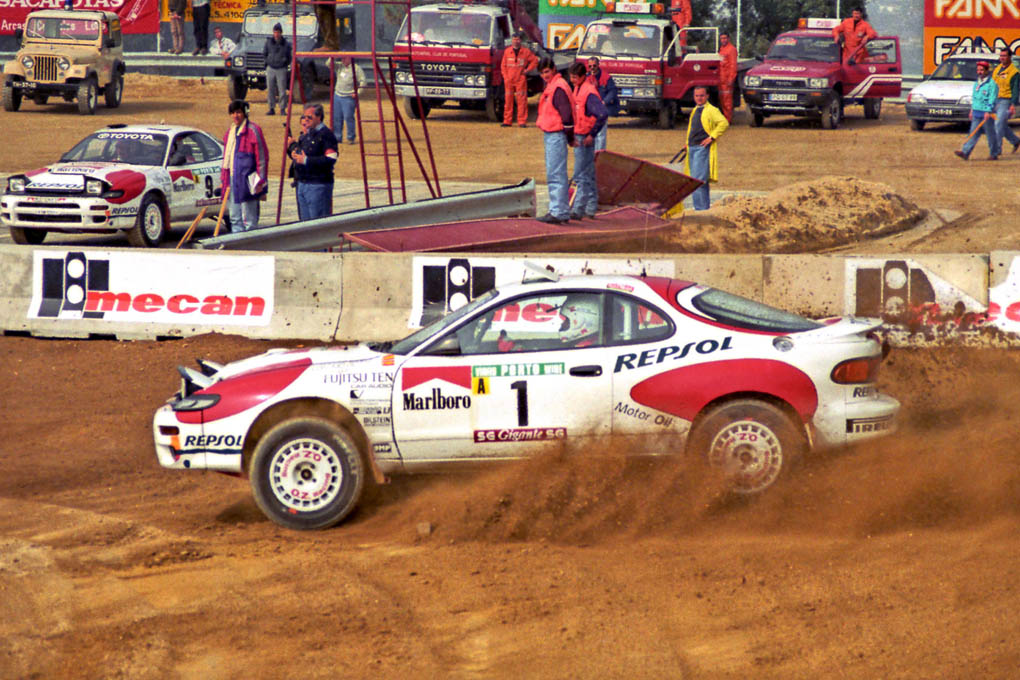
(201, 21)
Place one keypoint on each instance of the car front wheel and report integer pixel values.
(12, 98)
(832, 114)
(150, 226)
(307, 473)
(917, 125)
(753, 442)
(27, 237)
(88, 97)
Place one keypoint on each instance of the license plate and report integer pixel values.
(23, 85)
(940, 112)
(782, 97)
(436, 91)
(626, 92)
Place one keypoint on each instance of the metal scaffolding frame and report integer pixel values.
(390, 152)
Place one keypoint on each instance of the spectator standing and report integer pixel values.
(221, 46)
(853, 32)
(727, 75)
(705, 125)
(200, 10)
(609, 95)
(177, 10)
(682, 17)
(1007, 79)
(245, 167)
(556, 121)
(590, 116)
(517, 61)
(277, 54)
(982, 121)
(349, 79)
(314, 155)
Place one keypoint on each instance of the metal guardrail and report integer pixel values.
(325, 232)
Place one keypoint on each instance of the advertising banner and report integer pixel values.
(136, 16)
(969, 25)
(563, 21)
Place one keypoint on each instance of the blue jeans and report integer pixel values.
(698, 158)
(988, 130)
(600, 138)
(343, 114)
(1002, 128)
(556, 173)
(314, 200)
(586, 199)
(244, 216)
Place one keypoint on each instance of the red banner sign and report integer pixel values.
(136, 16)
(968, 26)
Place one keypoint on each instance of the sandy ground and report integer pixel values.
(898, 559)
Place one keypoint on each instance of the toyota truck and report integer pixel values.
(804, 74)
(655, 65)
(456, 49)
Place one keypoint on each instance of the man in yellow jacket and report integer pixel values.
(704, 127)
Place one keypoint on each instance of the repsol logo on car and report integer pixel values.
(656, 356)
(212, 441)
(437, 401)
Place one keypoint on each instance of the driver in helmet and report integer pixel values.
(581, 321)
(125, 150)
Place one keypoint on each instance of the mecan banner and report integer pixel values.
(968, 25)
(136, 16)
(222, 10)
(564, 21)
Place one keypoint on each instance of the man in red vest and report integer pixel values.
(517, 61)
(590, 116)
(727, 75)
(556, 121)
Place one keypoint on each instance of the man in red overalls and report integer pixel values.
(517, 61)
(727, 75)
(854, 31)
(682, 17)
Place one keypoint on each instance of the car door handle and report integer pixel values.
(586, 371)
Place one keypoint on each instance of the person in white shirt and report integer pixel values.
(221, 46)
(344, 101)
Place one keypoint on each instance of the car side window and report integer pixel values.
(632, 320)
(543, 322)
(211, 149)
(188, 149)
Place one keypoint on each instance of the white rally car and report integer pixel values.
(672, 365)
(136, 178)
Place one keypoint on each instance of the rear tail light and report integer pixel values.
(860, 370)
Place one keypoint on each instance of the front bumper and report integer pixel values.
(789, 102)
(948, 113)
(183, 446)
(77, 213)
(31, 87)
(443, 92)
(632, 106)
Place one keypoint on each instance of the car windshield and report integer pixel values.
(262, 24)
(113, 146)
(956, 69)
(748, 314)
(57, 28)
(621, 40)
(454, 27)
(414, 339)
(804, 48)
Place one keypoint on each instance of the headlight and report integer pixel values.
(63, 63)
(238, 62)
(752, 81)
(16, 185)
(915, 98)
(818, 82)
(965, 100)
(470, 81)
(93, 187)
(27, 62)
(403, 77)
(196, 402)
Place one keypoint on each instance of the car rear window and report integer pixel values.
(748, 314)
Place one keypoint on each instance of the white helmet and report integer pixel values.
(580, 317)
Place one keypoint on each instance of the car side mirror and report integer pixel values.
(448, 346)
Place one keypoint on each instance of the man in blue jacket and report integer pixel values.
(606, 86)
(314, 155)
(982, 118)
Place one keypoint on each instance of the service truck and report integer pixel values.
(805, 73)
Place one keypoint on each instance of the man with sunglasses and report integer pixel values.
(314, 155)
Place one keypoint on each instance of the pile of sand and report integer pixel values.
(802, 217)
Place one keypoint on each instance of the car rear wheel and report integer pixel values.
(88, 97)
(753, 442)
(916, 125)
(27, 237)
(113, 91)
(872, 108)
(12, 98)
(307, 473)
(150, 226)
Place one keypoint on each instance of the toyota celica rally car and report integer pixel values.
(530, 366)
(135, 178)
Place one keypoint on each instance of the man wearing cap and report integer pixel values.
(1007, 79)
(982, 120)
(517, 61)
(277, 54)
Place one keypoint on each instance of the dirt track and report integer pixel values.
(894, 560)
